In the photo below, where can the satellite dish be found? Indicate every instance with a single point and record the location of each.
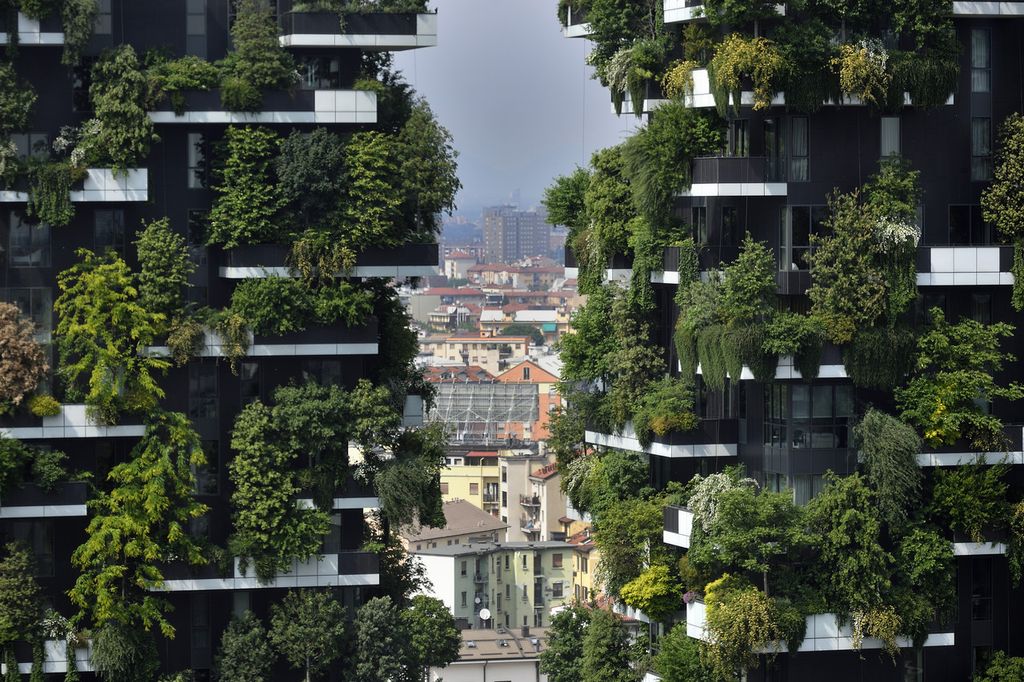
(485, 614)
(477, 600)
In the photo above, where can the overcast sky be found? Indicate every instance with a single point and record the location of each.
(515, 94)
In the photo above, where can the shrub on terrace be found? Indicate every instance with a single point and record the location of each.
(955, 365)
(170, 77)
(890, 448)
(1002, 202)
(165, 267)
(737, 58)
(257, 62)
(666, 406)
(78, 18)
(23, 360)
(971, 499)
(249, 201)
(16, 101)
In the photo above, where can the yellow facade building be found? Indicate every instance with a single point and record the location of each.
(474, 477)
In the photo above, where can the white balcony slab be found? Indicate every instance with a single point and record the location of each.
(213, 347)
(329, 106)
(31, 35)
(736, 189)
(680, 537)
(787, 371)
(677, 12)
(382, 271)
(993, 10)
(55, 659)
(978, 548)
(964, 266)
(343, 503)
(318, 571)
(49, 511)
(73, 422)
(426, 36)
(101, 185)
(823, 633)
(627, 440)
(952, 459)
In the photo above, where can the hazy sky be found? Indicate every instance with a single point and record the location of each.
(515, 94)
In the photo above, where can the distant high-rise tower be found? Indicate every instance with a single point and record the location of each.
(510, 234)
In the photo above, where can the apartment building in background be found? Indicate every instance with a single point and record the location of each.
(510, 234)
(473, 477)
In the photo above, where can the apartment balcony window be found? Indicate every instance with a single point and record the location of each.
(202, 390)
(556, 590)
(699, 223)
(249, 382)
(474, 488)
(967, 227)
(208, 475)
(981, 149)
(196, 161)
(796, 225)
(808, 416)
(35, 303)
(108, 230)
(981, 60)
(31, 145)
(890, 126)
(444, 487)
(38, 537)
(29, 244)
(798, 164)
(104, 25)
(738, 138)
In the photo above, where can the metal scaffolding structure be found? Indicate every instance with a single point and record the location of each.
(473, 410)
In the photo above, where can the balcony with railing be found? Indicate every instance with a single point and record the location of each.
(273, 260)
(1012, 451)
(380, 31)
(47, 31)
(32, 502)
(72, 421)
(277, 106)
(712, 438)
(964, 266)
(529, 501)
(737, 176)
(576, 25)
(336, 569)
(529, 525)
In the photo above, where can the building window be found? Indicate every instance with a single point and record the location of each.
(462, 601)
(249, 382)
(796, 225)
(504, 474)
(981, 588)
(31, 145)
(196, 161)
(967, 227)
(108, 230)
(474, 488)
(38, 537)
(798, 149)
(504, 498)
(208, 475)
(556, 560)
(195, 28)
(29, 243)
(806, 487)
(81, 80)
(35, 303)
(737, 141)
(584, 564)
(104, 25)
(318, 73)
(730, 226)
(556, 590)
(323, 372)
(981, 60)
(506, 564)
(524, 567)
(699, 223)
(981, 308)
(200, 622)
(890, 136)
(444, 487)
(462, 569)
(981, 149)
(202, 390)
(526, 373)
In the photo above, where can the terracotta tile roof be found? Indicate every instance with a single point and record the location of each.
(545, 472)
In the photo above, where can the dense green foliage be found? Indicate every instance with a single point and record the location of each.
(957, 364)
(78, 18)
(245, 654)
(561, 659)
(1003, 668)
(16, 101)
(141, 523)
(249, 200)
(890, 450)
(279, 305)
(679, 659)
(171, 77)
(1002, 202)
(23, 363)
(123, 653)
(308, 628)
(970, 499)
(165, 267)
(20, 605)
(102, 333)
(49, 199)
(257, 62)
(606, 654)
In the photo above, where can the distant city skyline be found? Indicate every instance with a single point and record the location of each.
(509, 116)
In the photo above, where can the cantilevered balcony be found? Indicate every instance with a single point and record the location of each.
(300, 106)
(373, 31)
(823, 633)
(988, 10)
(331, 340)
(736, 176)
(55, 658)
(678, 527)
(71, 422)
(32, 502)
(577, 26)
(679, 11)
(962, 453)
(353, 495)
(341, 569)
(964, 266)
(713, 438)
(100, 185)
(272, 260)
(33, 33)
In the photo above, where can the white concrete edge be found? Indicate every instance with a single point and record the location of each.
(577, 31)
(48, 511)
(978, 548)
(252, 583)
(55, 659)
(632, 444)
(381, 271)
(675, 539)
(68, 432)
(343, 503)
(991, 10)
(281, 350)
(952, 459)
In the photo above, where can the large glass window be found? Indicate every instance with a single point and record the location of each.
(37, 536)
(195, 28)
(967, 227)
(798, 171)
(104, 25)
(738, 138)
(29, 244)
(981, 60)
(797, 224)
(108, 230)
(31, 144)
(890, 136)
(196, 161)
(202, 390)
(208, 476)
(981, 149)
(730, 226)
(249, 381)
(805, 416)
(699, 221)
(35, 303)
(323, 372)
(318, 73)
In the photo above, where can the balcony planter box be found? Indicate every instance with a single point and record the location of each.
(1012, 432)
(180, 570)
(358, 563)
(273, 100)
(330, 23)
(277, 256)
(31, 495)
(338, 333)
(20, 418)
(713, 438)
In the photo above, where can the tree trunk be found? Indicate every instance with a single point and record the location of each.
(765, 574)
